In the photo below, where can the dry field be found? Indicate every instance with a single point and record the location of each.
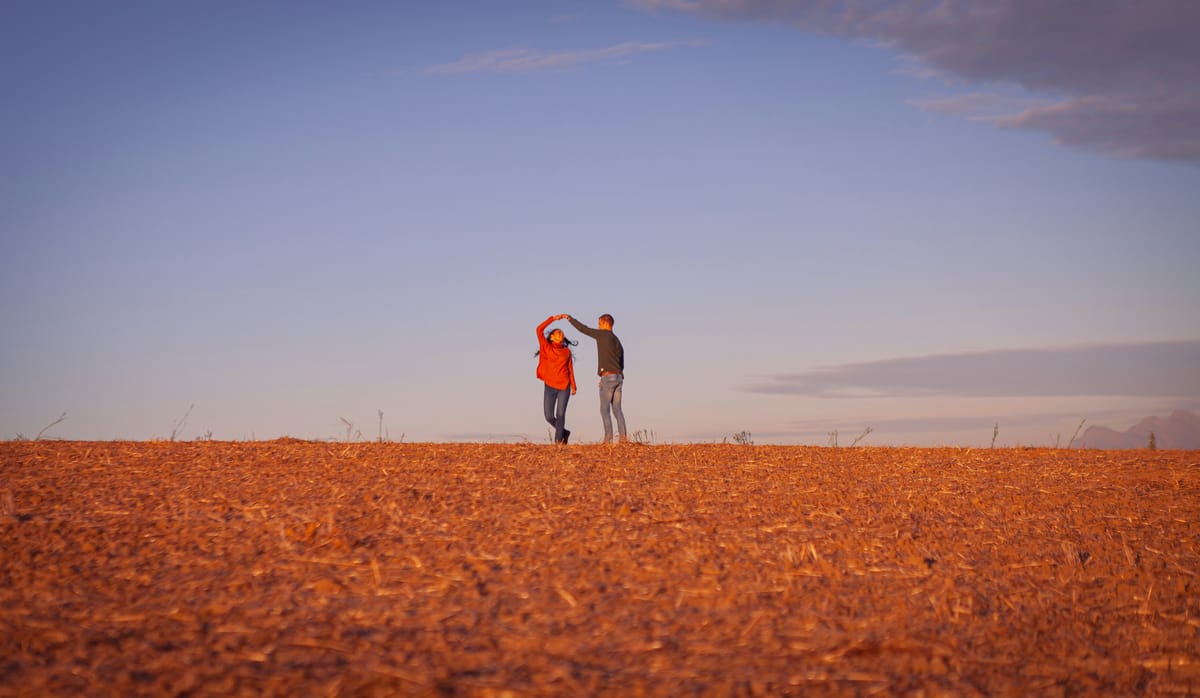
(300, 568)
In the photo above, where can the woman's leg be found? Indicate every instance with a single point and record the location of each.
(560, 416)
(549, 396)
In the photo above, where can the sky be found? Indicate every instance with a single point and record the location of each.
(890, 222)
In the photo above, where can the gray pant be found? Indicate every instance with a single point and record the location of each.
(610, 399)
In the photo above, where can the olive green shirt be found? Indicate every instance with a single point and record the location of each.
(610, 355)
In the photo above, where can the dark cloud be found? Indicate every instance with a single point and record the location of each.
(1157, 128)
(1126, 71)
(1166, 369)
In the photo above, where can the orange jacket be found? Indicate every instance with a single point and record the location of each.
(555, 367)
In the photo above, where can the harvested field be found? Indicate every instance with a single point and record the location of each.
(303, 568)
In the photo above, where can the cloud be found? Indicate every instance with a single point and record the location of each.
(983, 106)
(1124, 72)
(521, 60)
(1158, 369)
(489, 437)
(1155, 128)
(935, 424)
(848, 428)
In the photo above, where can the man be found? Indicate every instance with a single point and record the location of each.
(610, 360)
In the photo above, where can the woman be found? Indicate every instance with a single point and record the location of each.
(557, 370)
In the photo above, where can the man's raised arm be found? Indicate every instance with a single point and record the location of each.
(582, 327)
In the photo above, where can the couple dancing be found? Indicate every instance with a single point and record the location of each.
(557, 370)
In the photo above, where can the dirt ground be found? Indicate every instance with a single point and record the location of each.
(362, 569)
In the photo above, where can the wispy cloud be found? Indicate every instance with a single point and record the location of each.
(1125, 72)
(523, 60)
(1035, 426)
(489, 437)
(938, 424)
(981, 106)
(1166, 369)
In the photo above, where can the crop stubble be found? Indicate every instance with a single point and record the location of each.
(292, 567)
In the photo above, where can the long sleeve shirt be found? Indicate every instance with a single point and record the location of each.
(610, 355)
(555, 367)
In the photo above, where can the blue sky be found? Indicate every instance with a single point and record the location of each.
(805, 218)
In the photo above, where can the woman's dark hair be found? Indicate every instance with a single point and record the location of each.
(567, 342)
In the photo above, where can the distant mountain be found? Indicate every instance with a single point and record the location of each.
(1179, 431)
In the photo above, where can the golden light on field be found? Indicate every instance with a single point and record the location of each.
(294, 568)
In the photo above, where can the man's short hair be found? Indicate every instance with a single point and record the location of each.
(606, 318)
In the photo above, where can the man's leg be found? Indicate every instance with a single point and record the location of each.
(616, 408)
(607, 383)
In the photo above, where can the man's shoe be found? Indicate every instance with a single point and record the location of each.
(566, 435)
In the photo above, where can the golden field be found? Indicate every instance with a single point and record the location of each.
(364, 569)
